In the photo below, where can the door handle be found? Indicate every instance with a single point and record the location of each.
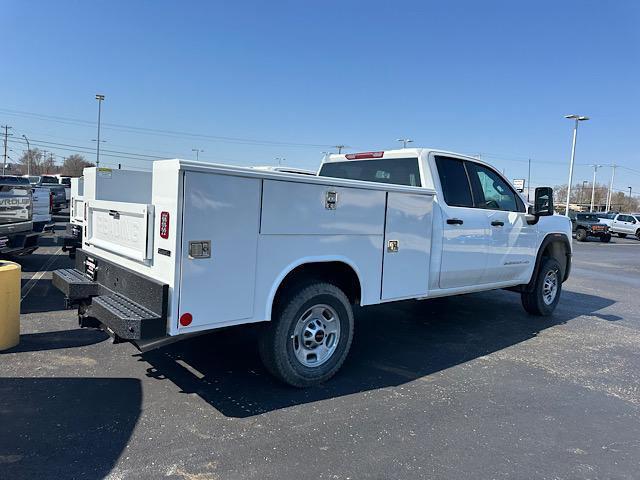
(497, 223)
(454, 221)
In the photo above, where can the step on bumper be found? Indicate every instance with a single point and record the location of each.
(129, 305)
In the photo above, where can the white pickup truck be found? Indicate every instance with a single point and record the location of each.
(217, 246)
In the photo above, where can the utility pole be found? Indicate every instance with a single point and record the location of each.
(593, 185)
(198, 151)
(584, 182)
(44, 161)
(100, 98)
(6, 141)
(339, 147)
(630, 204)
(28, 155)
(610, 192)
(529, 180)
(577, 119)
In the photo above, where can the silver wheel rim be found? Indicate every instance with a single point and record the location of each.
(316, 335)
(550, 287)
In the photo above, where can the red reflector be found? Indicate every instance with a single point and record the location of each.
(164, 226)
(186, 319)
(360, 156)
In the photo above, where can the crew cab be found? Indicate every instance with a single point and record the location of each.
(586, 225)
(626, 224)
(217, 246)
(16, 217)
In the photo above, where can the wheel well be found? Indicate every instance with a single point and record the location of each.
(337, 273)
(558, 251)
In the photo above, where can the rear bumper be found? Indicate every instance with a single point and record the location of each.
(129, 305)
(72, 238)
(18, 242)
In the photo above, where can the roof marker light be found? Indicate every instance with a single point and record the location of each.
(362, 155)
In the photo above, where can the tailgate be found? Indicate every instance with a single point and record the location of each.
(121, 228)
(77, 210)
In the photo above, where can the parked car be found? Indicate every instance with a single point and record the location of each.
(606, 218)
(216, 246)
(16, 218)
(626, 224)
(60, 200)
(585, 225)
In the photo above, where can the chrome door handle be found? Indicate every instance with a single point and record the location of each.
(454, 221)
(497, 223)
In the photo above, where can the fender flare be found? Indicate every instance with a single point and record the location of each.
(275, 286)
(549, 239)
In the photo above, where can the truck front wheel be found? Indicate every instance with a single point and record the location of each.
(309, 336)
(544, 296)
(581, 235)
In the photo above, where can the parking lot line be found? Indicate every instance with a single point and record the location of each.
(45, 268)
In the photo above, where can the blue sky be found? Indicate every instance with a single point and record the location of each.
(489, 77)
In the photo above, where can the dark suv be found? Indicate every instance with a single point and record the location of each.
(589, 225)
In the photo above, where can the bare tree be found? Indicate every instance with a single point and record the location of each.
(30, 162)
(74, 164)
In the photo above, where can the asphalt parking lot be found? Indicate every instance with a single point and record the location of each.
(459, 388)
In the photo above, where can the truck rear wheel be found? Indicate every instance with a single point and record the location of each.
(544, 297)
(309, 336)
(622, 235)
(581, 235)
(605, 238)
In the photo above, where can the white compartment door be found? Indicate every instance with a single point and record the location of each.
(407, 246)
(224, 211)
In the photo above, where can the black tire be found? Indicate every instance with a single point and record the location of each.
(581, 235)
(534, 302)
(622, 235)
(277, 343)
(638, 234)
(605, 238)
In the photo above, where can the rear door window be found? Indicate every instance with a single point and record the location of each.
(399, 171)
(454, 181)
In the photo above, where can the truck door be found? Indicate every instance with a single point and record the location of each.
(465, 230)
(407, 245)
(512, 246)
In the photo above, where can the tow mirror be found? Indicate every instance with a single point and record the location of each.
(543, 205)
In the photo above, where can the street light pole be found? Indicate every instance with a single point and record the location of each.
(100, 98)
(593, 185)
(405, 141)
(630, 205)
(577, 119)
(28, 155)
(610, 192)
(582, 190)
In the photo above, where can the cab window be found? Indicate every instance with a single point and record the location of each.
(399, 171)
(490, 191)
(454, 181)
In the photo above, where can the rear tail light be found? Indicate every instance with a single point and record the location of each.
(360, 156)
(186, 319)
(164, 225)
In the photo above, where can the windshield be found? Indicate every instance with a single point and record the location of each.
(588, 217)
(65, 181)
(10, 180)
(399, 171)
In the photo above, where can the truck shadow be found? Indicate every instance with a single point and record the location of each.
(50, 430)
(393, 344)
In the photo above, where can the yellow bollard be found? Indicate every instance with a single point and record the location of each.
(9, 304)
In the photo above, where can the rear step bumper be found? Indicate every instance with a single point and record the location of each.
(129, 305)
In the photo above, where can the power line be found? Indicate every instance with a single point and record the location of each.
(161, 132)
